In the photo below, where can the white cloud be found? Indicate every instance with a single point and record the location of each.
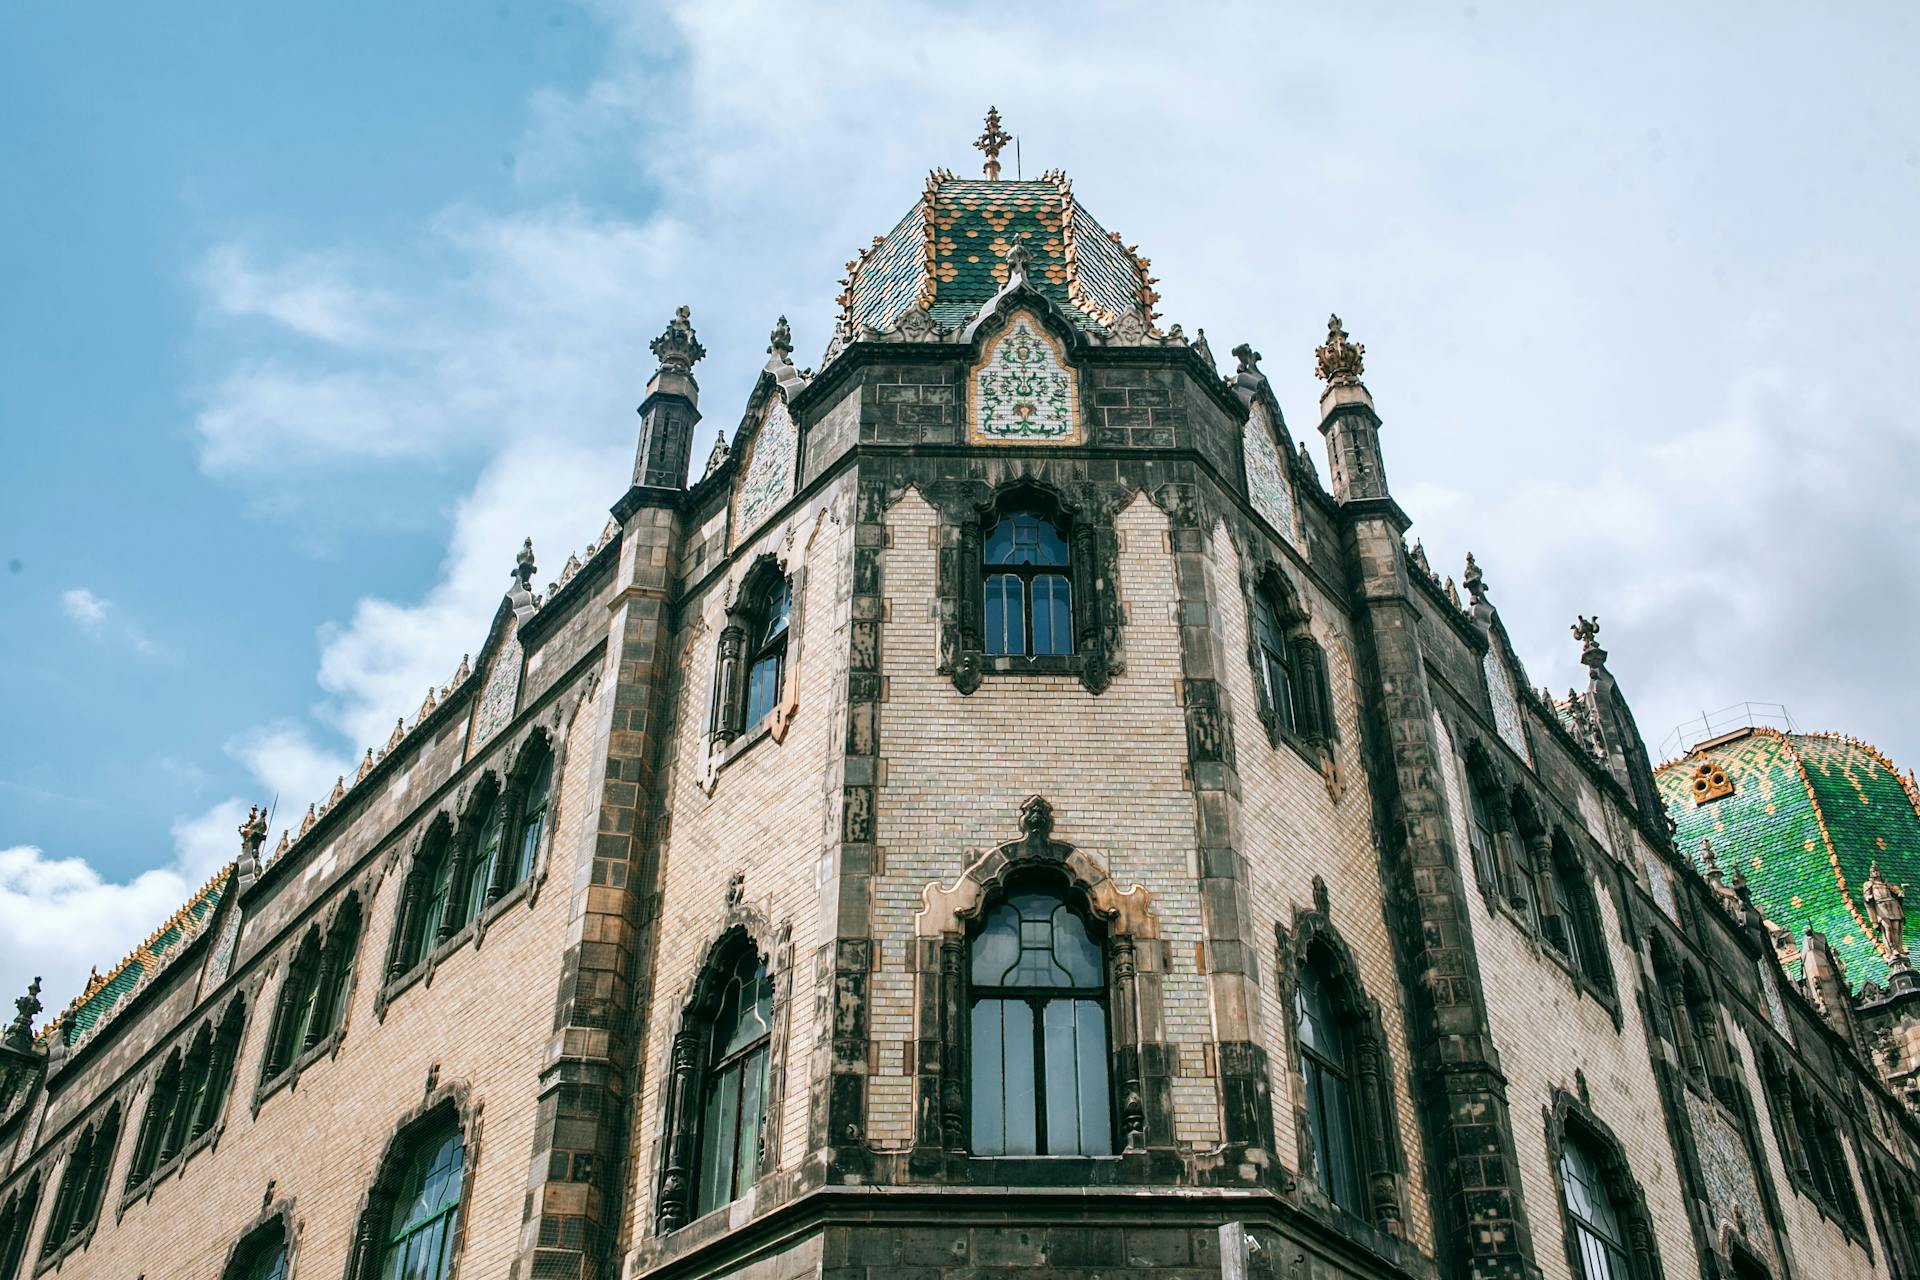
(85, 608)
(309, 296)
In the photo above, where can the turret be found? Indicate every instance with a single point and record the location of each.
(1348, 421)
(671, 409)
(1623, 751)
(1827, 983)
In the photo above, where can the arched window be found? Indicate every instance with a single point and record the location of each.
(1027, 584)
(1596, 1235)
(1326, 1063)
(334, 981)
(16, 1221)
(162, 1102)
(482, 856)
(261, 1256)
(423, 901)
(537, 783)
(423, 1208)
(294, 1015)
(1483, 833)
(77, 1201)
(767, 649)
(1277, 677)
(1038, 1030)
(735, 1089)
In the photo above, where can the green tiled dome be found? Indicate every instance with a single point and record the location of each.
(1808, 816)
(948, 255)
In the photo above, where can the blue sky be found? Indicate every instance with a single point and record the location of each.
(312, 314)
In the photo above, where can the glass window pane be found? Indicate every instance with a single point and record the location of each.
(753, 1078)
(1075, 953)
(1063, 1079)
(989, 1127)
(1096, 1106)
(1280, 693)
(1017, 1071)
(996, 947)
(718, 1127)
(763, 687)
(1006, 617)
(1341, 1162)
(1052, 614)
(1319, 1028)
(1024, 538)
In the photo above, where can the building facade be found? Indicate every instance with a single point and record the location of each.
(1007, 816)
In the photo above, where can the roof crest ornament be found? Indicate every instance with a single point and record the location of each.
(780, 342)
(990, 143)
(1340, 362)
(678, 349)
(20, 1033)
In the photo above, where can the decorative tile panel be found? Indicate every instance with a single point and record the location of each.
(1267, 482)
(1726, 1169)
(497, 701)
(1776, 1010)
(221, 962)
(767, 480)
(1022, 391)
(1506, 707)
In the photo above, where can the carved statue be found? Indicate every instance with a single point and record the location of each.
(1887, 904)
(780, 341)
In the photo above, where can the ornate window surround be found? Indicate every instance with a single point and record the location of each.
(729, 735)
(1312, 939)
(18, 1210)
(197, 1074)
(1566, 1113)
(333, 944)
(76, 1204)
(1142, 1061)
(967, 509)
(1314, 731)
(400, 972)
(275, 1224)
(444, 1102)
(1794, 1108)
(744, 924)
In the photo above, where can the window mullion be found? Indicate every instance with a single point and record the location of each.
(1036, 1010)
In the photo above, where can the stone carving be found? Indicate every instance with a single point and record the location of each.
(1584, 631)
(1340, 362)
(678, 349)
(20, 1034)
(1887, 904)
(991, 141)
(1022, 392)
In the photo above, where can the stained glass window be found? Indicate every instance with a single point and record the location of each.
(735, 1097)
(1029, 593)
(426, 1209)
(767, 651)
(1039, 1032)
(1276, 668)
(1592, 1215)
(1326, 1063)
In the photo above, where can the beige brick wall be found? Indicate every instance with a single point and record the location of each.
(483, 1021)
(773, 814)
(1293, 830)
(1545, 1031)
(1818, 1245)
(958, 767)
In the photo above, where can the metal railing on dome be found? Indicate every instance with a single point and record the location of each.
(1713, 724)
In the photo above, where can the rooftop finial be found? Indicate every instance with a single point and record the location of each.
(523, 566)
(1339, 362)
(991, 141)
(20, 1034)
(780, 341)
(1585, 630)
(678, 348)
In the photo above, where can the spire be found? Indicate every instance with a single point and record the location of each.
(990, 143)
(1349, 423)
(671, 407)
(20, 1034)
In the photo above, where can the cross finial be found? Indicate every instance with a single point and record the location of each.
(991, 141)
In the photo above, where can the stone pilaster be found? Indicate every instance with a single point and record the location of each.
(577, 1181)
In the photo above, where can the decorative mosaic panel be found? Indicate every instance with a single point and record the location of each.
(768, 479)
(1776, 1011)
(1022, 392)
(1726, 1168)
(222, 961)
(497, 701)
(1266, 476)
(1506, 707)
(1658, 886)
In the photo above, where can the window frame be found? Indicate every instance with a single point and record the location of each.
(77, 1203)
(1274, 612)
(1317, 1068)
(446, 1112)
(1038, 999)
(1028, 574)
(1571, 1121)
(754, 1056)
(18, 1212)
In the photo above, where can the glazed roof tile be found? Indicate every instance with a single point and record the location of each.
(1809, 816)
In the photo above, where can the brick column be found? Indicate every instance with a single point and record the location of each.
(576, 1184)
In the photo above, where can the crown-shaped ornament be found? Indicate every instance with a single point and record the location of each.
(1339, 362)
(678, 348)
